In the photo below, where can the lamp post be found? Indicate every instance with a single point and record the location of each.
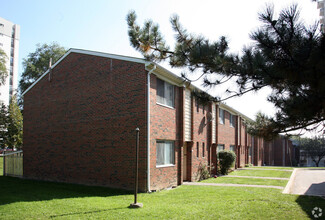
(136, 204)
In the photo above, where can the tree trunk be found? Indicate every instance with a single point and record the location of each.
(316, 162)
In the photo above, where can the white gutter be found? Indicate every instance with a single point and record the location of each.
(148, 127)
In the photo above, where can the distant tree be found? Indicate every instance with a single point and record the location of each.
(261, 126)
(37, 63)
(288, 56)
(3, 68)
(3, 124)
(14, 135)
(314, 147)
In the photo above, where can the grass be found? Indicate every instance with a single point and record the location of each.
(26, 199)
(282, 168)
(248, 181)
(262, 173)
(271, 167)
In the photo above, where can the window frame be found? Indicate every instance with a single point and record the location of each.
(221, 119)
(197, 149)
(165, 100)
(197, 105)
(232, 120)
(220, 145)
(203, 149)
(172, 150)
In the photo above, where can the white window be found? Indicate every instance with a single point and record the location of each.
(232, 148)
(165, 153)
(203, 150)
(221, 116)
(220, 147)
(165, 93)
(232, 120)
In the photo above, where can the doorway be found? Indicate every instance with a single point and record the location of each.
(185, 163)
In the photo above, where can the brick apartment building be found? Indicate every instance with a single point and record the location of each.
(80, 119)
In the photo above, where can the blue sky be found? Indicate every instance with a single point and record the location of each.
(100, 26)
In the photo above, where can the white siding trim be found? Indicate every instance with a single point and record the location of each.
(214, 122)
(187, 115)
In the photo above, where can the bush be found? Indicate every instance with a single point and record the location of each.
(226, 160)
(203, 172)
(248, 165)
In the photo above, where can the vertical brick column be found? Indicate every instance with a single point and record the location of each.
(181, 126)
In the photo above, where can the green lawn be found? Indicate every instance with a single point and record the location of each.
(262, 173)
(249, 181)
(271, 167)
(26, 199)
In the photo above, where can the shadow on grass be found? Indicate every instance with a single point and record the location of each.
(307, 204)
(85, 213)
(21, 190)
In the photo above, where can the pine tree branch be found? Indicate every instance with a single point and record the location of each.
(240, 94)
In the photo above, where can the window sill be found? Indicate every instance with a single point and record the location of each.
(167, 165)
(167, 106)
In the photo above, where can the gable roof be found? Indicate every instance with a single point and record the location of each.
(160, 71)
(87, 52)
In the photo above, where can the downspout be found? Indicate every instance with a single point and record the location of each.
(148, 127)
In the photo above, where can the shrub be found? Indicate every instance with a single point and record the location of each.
(203, 172)
(248, 165)
(226, 160)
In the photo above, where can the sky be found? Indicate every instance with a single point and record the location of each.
(100, 25)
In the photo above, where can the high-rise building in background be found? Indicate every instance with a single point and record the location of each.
(321, 7)
(9, 43)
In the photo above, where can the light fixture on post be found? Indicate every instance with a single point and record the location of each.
(136, 204)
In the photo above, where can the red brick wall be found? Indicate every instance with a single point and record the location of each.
(268, 153)
(278, 152)
(166, 124)
(242, 144)
(200, 135)
(258, 151)
(80, 127)
(289, 152)
(282, 157)
(249, 145)
(226, 134)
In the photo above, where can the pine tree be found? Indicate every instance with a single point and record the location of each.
(288, 56)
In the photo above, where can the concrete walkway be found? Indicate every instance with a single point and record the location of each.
(259, 177)
(307, 182)
(264, 169)
(230, 184)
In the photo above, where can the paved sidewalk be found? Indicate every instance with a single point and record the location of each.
(230, 184)
(308, 182)
(259, 177)
(263, 169)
